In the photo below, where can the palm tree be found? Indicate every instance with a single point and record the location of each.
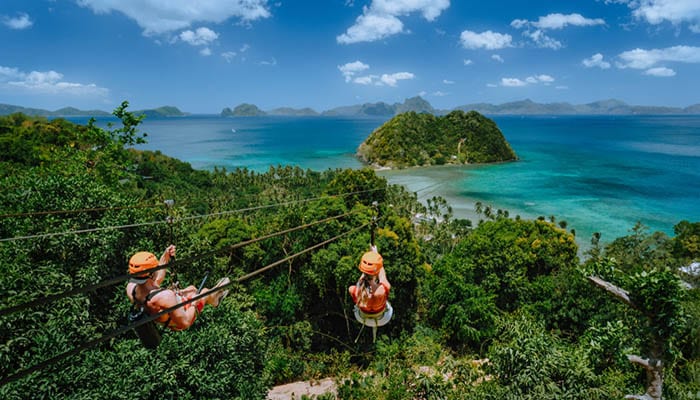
(479, 207)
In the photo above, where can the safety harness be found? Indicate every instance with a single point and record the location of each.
(148, 333)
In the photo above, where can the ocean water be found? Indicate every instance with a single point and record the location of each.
(598, 173)
(259, 142)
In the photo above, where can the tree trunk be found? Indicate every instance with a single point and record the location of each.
(653, 366)
(655, 377)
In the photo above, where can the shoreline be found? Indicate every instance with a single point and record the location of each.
(444, 181)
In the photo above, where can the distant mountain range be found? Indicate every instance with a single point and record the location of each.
(603, 107)
(417, 104)
(165, 111)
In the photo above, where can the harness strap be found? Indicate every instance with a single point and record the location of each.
(149, 296)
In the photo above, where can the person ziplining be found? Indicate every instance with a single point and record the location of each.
(371, 292)
(146, 294)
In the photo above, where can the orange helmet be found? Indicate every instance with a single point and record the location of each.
(371, 263)
(139, 262)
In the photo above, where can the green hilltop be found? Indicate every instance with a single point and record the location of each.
(7, 109)
(165, 111)
(412, 139)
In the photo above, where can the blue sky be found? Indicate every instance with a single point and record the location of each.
(204, 55)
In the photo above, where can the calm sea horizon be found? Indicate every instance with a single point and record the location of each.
(598, 173)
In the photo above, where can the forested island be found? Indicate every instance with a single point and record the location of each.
(411, 139)
(499, 308)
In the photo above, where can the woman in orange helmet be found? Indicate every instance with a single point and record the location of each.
(144, 289)
(371, 292)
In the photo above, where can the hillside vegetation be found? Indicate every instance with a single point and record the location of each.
(413, 139)
(502, 309)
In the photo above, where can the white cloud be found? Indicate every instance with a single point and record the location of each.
(543, 40)
(49, 82)
(365, 80)
(380, 19)
(596, 60)
(530, 80)
(512, 82)
(448, 82)
(273, 61)
(350, 69)
(674, 11)
(7, 73)
(644, 59)
(201, 37)
(392, 79)
(660, 71)
(561, 87)
(245, 48)
(519, 23)
(440, 94)
(487, 40)
(430, 9)
(498, 58)
(205, 52)
(535, 30)
(491, 85)
(560, 21)
(228, 56)
(22, 21)
(159, 16)
(369, 28)
(468, 61)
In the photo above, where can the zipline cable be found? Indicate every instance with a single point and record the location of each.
(51, 298)
(105, 228)
(117, 227)
(432, 186)
(279, 204)
(53, 212)
(121, 330)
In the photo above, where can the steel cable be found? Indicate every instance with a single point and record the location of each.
(117, 227)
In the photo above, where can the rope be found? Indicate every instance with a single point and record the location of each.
(45, 235)
(121, 330)
(51, 298)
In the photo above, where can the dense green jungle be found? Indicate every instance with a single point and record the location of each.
(503, 308)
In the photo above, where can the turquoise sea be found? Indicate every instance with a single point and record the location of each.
(599, 173)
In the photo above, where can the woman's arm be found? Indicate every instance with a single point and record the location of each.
(159, 275)
(383, 280)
